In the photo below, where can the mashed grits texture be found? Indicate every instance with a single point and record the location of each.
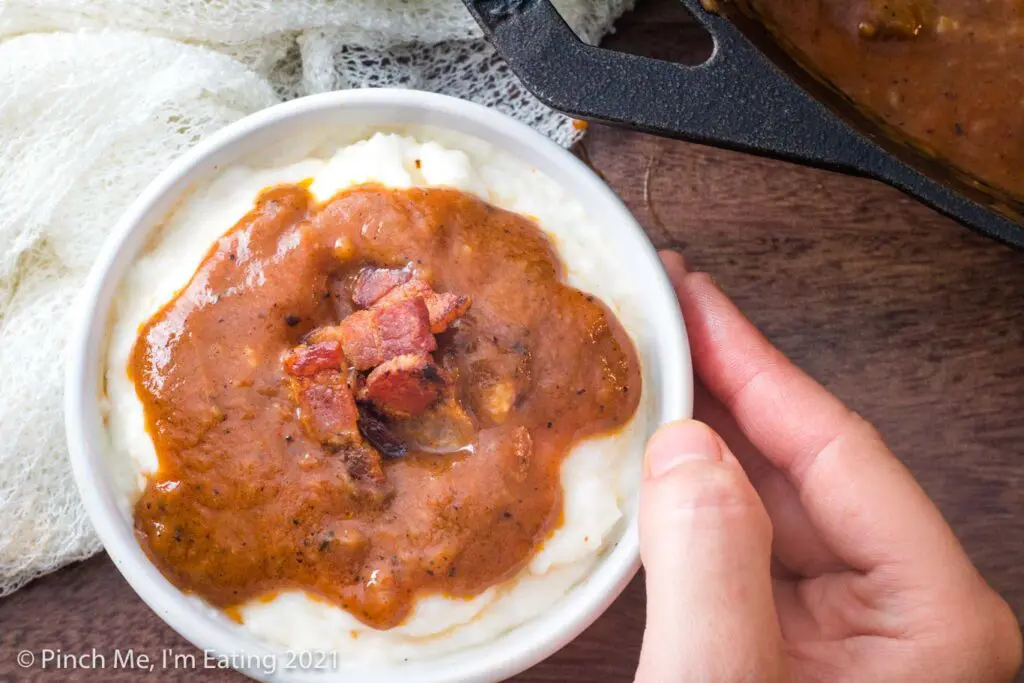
(599, 477)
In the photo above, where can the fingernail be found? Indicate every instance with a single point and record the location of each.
(678, 443)
(673, 261)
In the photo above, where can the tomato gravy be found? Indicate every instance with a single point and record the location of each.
(246, 503)
(946, 73)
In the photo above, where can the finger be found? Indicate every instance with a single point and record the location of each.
(864, 503)
(705, 540)
(797, 545)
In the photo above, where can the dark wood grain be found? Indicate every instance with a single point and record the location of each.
(914, 321)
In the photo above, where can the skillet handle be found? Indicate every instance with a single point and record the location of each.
(737, 99)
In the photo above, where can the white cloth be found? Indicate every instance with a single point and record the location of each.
(97, 96)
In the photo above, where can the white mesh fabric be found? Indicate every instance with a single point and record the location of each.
(370, 23)
(78, 145)
(471, 70)
(265, 35)
(97, 96)
(359, 23)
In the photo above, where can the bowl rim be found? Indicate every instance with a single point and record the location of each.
(548, 631)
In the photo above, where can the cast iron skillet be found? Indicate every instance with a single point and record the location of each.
(749, 96)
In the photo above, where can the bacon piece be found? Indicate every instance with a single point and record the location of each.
(327, 333)
(327, 408)
(378, 334)
(328, 413)
(363, 463)
(404, 328)
(404, 386)
(360, 339)
(444, 308)
(309, 359)
(409, 290)
(373, 283)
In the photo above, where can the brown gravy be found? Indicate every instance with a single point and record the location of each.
(948, 74)
(246, 504)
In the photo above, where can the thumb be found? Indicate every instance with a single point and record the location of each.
(705, 539)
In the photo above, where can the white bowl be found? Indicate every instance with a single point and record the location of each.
(668, 362)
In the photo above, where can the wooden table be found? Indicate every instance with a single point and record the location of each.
(914, 321)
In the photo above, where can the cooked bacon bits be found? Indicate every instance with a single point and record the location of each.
(363, 464)
(443, 308)
(404, 386)
(408, 290)
(360, 340)
(378, 334)
(392, 338)
(373, 283)
(404, 328)
(327, 408)
(309, 359)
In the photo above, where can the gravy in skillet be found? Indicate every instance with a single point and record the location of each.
(949, 74)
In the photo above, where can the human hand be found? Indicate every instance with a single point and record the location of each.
(796, 546)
